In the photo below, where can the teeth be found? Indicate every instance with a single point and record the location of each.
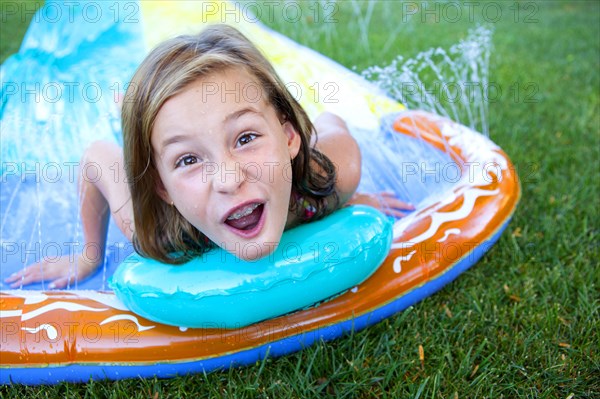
(243, 212)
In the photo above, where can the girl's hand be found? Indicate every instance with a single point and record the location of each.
(384, 201)
(60, 271)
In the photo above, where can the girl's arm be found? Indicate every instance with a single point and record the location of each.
(102, 187)
(335, 141)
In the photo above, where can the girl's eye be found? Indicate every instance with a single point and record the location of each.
(245, 139)
(186, 160)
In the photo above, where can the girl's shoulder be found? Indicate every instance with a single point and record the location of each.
(343, 151)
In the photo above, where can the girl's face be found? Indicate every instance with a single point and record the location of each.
(224, 160)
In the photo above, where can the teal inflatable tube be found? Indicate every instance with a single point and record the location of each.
(313, 261)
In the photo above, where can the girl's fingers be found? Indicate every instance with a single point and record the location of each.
(385, 201)
(23, 272)
(37, 272)
(15, 282)
(18, 277)
(389, 199)
(396, 203)
(22, 279)
(12, 278)
(59, 283)
(394, 213)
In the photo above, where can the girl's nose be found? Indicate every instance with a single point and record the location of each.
(229, 177)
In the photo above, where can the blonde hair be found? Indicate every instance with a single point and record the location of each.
(160, 231)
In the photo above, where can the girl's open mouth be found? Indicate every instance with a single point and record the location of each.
(247, 221)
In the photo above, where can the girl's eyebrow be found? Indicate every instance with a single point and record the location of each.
(237, 114)
(172, 140)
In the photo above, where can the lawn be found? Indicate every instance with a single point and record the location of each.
(523, 322)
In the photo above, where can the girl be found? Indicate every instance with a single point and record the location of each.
(217, 153)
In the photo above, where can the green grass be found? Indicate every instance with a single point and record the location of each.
(14, 20)
(523, 322)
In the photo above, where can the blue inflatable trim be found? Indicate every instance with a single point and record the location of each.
(309, 265)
